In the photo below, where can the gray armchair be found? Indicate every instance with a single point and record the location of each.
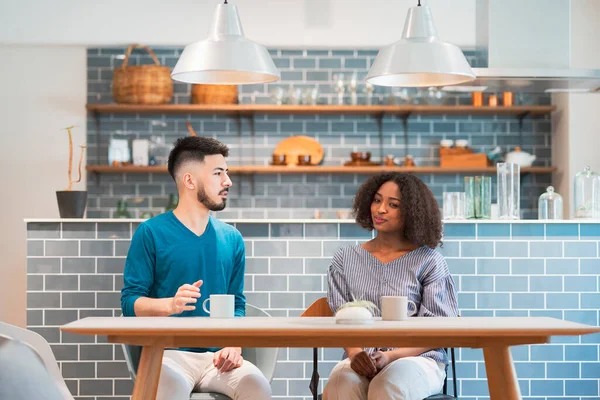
(264, 358)
(29, 366)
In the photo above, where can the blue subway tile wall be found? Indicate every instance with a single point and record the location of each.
(338, 134)
(286, 271)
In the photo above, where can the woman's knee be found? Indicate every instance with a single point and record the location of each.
(344, 383)
(410, 378)
(382, 387)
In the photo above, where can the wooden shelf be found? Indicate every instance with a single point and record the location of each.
(249, 109)
(261, 169)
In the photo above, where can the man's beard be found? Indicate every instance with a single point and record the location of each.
(208, 203)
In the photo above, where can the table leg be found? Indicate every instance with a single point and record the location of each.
(148, 373)
(314, 381)
(502, 380)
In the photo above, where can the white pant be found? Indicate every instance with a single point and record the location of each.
(410, 378)
(183, 372)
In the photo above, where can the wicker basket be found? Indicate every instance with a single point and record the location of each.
(214, 94)
(142, 84)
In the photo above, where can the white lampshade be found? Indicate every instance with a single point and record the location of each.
(226, 57)
(420, 58)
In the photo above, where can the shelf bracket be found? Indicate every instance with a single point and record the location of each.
(253, 141)
(379, 119)
(238, 125)
(521, 118)
(97, 123)
(405, 130)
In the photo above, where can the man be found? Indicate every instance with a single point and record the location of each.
(181, 257)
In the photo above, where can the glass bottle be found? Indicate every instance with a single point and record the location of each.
(550, 205)
(122, 211)
(173, 201)
(509, 186)
(587, 195)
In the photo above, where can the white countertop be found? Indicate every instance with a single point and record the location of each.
(314, 221)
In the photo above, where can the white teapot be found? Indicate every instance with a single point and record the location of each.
(519, 157)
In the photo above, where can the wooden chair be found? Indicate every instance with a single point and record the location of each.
(320, 308)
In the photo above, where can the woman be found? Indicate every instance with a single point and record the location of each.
(400, 261)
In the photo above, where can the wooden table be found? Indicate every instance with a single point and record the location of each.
(493, 335)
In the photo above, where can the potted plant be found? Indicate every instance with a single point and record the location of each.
(72, 203)
(355, 312)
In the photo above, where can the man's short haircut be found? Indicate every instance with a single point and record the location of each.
(193, 148)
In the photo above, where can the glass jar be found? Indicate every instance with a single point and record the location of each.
(454, 205)
(550, 205)
(478, 197)
(509, 185)
(586, 198)
(122, 211)
(158, 151)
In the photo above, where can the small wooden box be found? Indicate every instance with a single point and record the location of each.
(461, 157)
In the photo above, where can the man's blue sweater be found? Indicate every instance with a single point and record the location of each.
(164, 254)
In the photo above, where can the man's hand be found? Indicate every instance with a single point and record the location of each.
(381, 360)
(186, 294)
(363, 365)
(228, 358)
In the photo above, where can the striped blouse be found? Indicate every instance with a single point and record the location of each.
(422, 275)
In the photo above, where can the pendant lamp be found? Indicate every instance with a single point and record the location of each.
(226, 57)
(420, 58)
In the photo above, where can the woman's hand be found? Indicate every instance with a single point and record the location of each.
(362, 364)
(380, 359)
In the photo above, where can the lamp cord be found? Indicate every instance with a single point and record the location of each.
(418, 5)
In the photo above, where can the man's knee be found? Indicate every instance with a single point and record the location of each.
(172, 384)
(253, 386)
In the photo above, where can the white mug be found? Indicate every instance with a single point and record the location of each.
(221, 305)
(395, 308)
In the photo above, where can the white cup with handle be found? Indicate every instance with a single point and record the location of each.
(395, 308)
(221, 305)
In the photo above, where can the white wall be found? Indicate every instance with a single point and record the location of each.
(576, 136)
(43, 91)
(274, 23)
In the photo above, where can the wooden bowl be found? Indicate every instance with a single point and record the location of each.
(300, 145)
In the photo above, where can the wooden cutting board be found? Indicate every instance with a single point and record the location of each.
(294, 146)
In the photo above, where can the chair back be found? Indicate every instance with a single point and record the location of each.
(264, 358)
(132, 355)
(41, 347)
(319, 308)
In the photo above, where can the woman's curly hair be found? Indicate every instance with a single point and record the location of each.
(419, 210)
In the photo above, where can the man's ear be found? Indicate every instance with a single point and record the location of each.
(188, 181)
